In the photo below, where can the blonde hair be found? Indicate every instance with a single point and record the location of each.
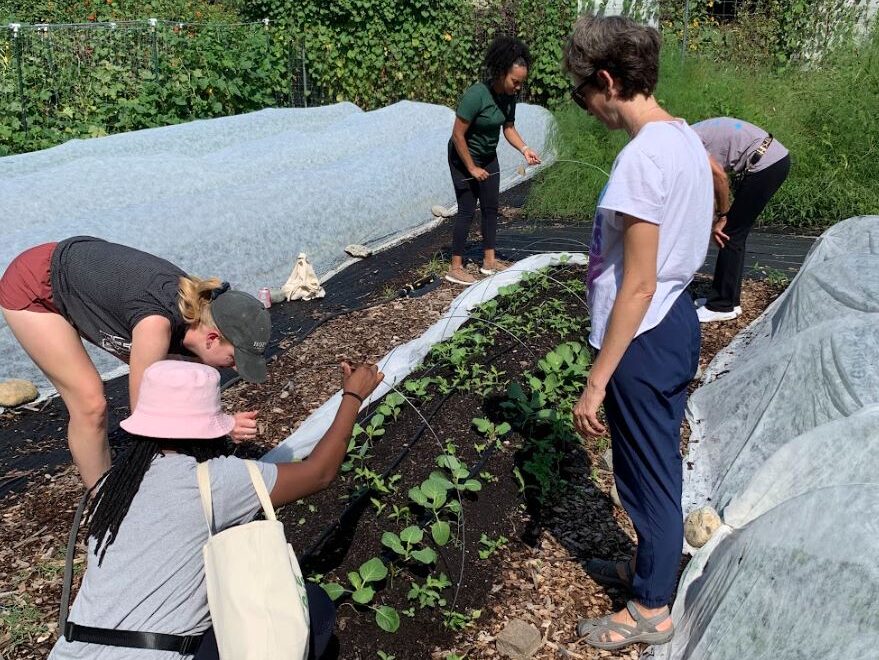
(194, 300)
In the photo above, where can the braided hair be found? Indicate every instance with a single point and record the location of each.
(503, 54)
(115, 491)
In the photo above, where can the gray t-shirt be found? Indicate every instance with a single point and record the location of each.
(105, 289)
(731, 141)
(152, 577)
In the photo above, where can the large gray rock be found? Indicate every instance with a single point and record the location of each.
(17, 392)
(519, 640)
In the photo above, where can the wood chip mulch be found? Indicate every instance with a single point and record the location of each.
(543, 583)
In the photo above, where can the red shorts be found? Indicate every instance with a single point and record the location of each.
(26, 284)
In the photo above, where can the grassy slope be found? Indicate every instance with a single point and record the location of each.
(827, 118)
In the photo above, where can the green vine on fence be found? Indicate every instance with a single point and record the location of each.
(59, 83)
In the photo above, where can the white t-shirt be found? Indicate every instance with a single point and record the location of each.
(152, 577)
(662, 176)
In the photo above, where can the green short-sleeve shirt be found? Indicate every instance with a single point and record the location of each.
(486, 112)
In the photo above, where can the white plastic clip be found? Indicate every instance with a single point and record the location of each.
(152, 22)
(15, 27)
(265, 22)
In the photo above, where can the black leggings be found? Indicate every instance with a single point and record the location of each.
(752, 195)
(322, 613)
(467, 191)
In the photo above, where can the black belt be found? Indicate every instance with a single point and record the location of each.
(132, 639)
(758, 154)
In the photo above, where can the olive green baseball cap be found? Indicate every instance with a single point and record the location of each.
(247, 325)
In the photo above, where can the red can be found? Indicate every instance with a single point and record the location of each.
(265, 297)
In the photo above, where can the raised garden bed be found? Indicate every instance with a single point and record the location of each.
(443, 472)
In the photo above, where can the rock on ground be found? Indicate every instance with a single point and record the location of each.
(519, 640)
(700, 525)
(16, 392)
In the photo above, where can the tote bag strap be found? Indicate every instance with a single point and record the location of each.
(68, 562)
(260, 487)
(203, 474)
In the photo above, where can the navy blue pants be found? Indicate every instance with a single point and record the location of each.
(644, 406)
(321, 612)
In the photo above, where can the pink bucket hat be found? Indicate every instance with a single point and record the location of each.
(179, 400)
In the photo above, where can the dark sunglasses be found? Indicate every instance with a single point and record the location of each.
(575, 93)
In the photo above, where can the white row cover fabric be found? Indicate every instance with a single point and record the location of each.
(239, 197)
(785, 443)
(403, 359)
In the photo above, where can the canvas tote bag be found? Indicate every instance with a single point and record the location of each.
(256, 593)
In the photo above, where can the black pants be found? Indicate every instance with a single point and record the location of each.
(467, 192)
(322, 613)
(751, 198)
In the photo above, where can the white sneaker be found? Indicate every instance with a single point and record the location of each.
(700, 302)
(707, 316)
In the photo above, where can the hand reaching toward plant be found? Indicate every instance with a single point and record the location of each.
(531, 156)
(245, 426)
(362, 379)
(586, 412)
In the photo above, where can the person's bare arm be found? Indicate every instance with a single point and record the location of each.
(640, 247)
(297, 480)
(512, 136)
(150, 340)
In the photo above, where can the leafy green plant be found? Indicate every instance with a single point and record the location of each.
(362, 592)
(406, 545)
(417, 387)
(492, 432)
(454, 620)
(400, 513)
(489, 546)
(391, 405)
(429, 593)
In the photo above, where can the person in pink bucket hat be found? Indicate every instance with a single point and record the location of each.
(143, 595)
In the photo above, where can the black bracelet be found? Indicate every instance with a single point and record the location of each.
(354, 394)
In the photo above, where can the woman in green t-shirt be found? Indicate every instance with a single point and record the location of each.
(483, 109)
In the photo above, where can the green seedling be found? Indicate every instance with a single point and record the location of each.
(428, 594)
(491, 431)
(489, 546)
(454, 620)
(406, 545)
(378, 505)
(400, 513)
(362, 592)
(391, 405)
(418, 387)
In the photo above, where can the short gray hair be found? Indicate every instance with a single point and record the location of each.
(627, 50)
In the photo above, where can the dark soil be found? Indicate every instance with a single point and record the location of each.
(334, 533)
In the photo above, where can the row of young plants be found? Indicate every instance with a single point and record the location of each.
(422, 521)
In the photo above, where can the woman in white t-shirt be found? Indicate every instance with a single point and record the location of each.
(651, 233)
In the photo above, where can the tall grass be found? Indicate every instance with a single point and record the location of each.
(827, 116)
